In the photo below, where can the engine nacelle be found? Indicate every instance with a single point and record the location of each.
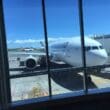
(31, 62)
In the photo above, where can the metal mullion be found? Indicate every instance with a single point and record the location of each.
(43, 72)
(85, 79)
(4, 68)
(46, 47)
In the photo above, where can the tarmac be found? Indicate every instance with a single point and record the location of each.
(37, 86)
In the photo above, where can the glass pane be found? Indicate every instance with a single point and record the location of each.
(64, 45)
(29, 87)
(97, 24)
(26, 54)
(24, 30)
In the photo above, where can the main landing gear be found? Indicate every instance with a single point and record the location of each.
(89, 79)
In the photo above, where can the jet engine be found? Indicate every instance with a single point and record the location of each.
(31, 62)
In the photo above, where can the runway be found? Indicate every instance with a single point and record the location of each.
(37, 86)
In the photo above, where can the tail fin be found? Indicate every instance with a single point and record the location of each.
(42, 43)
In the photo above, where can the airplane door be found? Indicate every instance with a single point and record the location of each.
(65, 47)
(68, 50)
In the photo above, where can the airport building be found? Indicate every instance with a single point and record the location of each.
(66, 73)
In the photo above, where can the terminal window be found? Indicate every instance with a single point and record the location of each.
(45, 49)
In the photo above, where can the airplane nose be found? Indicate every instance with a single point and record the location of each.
(101, 57)
(97, 57)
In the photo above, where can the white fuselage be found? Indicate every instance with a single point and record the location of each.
(69, 51)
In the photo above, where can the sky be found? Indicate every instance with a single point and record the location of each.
(24, 22)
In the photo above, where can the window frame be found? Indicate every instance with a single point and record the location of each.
(5, 92)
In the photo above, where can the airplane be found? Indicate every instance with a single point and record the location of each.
(69, 51)
(27, 49)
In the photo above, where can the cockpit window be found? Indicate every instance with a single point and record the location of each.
(101, 47)
(87, 48)
(94, 48)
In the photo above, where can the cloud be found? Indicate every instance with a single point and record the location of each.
(9, 41)
(32, 42)
(26, 41)
(23, 43)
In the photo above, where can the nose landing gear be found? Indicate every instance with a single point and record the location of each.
(93, 72)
